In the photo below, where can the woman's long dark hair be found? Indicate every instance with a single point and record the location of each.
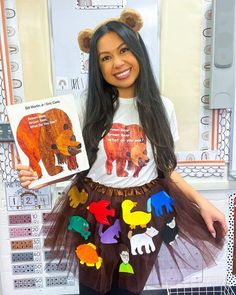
(100, 106)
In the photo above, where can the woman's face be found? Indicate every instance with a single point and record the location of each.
(118, 65)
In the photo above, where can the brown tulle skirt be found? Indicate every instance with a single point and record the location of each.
(120, 235)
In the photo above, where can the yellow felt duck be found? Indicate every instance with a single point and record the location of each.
(76, 197)
(134, 218)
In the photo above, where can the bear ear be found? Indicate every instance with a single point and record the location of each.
(84, 39)
(132, 18)
(65, 126)
(53, 146)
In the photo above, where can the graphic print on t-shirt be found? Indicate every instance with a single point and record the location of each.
(125, 147)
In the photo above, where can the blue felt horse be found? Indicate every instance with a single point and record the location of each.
(158, 201)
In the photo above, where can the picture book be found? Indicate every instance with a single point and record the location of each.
(48, 137)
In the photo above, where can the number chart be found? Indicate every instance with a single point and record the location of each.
(19, 199)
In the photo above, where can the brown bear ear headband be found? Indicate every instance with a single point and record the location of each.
(130, 17)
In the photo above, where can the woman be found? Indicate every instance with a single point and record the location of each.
(136, 206)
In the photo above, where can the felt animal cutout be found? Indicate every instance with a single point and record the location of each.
(100, 211)
(170, 230)
(87, 254)
(125, 266)
(134, 218)
(130, 17)
(110, 234)
(143, 240)
(125, 145)
(76, 197)
(80, 225)
(158, 201)
(48, 136)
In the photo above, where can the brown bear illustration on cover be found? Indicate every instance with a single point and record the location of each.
(44, 136)
(48, 133)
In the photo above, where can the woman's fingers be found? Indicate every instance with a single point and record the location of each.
(224, 226)
(21, 167)
(25, 184)
(26, 175)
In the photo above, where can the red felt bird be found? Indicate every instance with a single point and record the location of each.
(100, 211)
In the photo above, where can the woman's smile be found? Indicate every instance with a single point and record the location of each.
(123, 75)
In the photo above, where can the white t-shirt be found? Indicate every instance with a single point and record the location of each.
(125, 157)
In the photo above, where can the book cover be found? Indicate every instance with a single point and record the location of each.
(48, 137)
